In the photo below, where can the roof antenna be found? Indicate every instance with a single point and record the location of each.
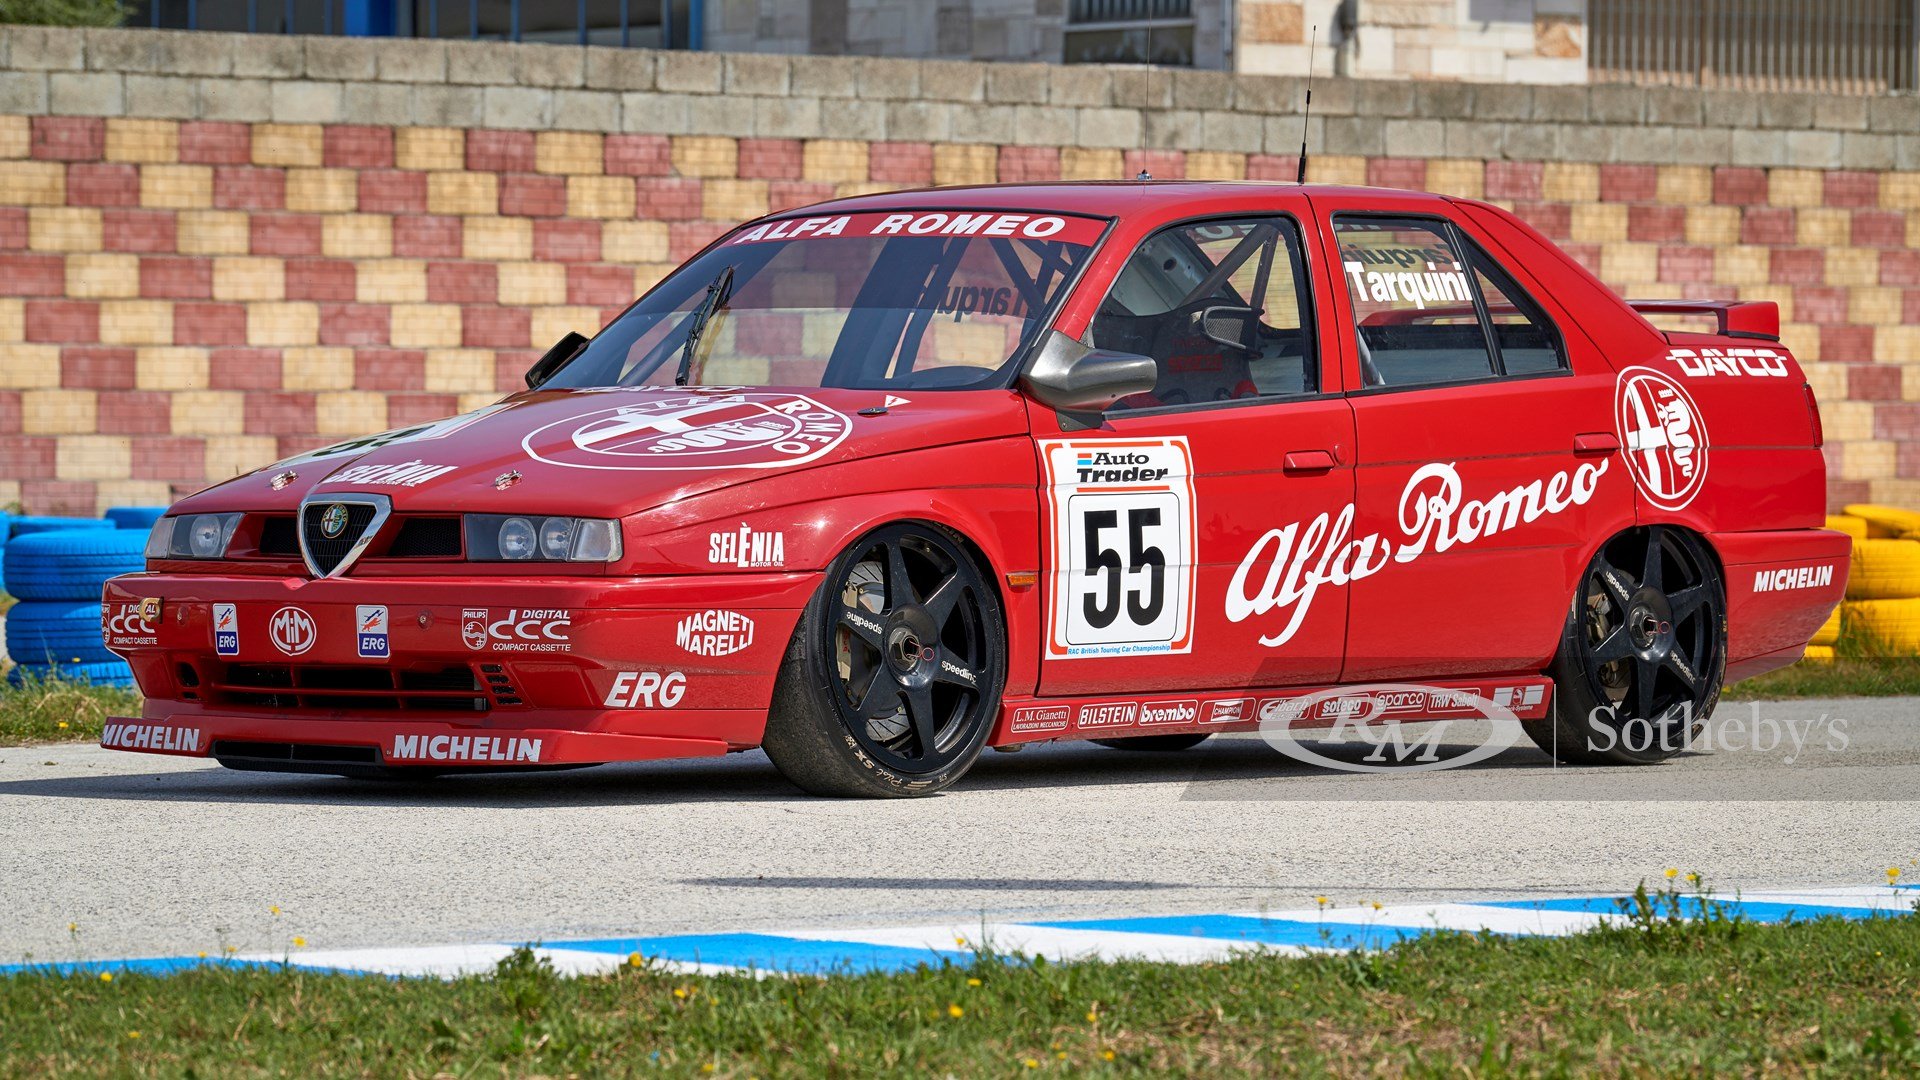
(1301, 177)
(1148, 91)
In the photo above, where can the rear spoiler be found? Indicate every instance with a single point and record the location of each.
(1737, 318)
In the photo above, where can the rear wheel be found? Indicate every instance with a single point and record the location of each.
(1643, 654)
(1163, 743)
(892, 680)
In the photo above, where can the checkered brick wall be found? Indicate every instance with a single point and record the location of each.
(219, 250)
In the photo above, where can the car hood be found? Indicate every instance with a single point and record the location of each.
(611, 452)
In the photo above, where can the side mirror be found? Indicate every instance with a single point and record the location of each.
(1073, 378)
(563, 350)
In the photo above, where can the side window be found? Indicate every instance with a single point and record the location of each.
(1428, 312)
(1221, 306)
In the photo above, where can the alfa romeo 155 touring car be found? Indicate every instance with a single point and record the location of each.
(877, 483)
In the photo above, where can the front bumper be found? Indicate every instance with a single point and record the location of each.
(449, 672)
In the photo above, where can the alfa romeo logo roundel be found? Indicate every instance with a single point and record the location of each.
(333, 521)
(675, 432)
(1664, 434)
(292, 631)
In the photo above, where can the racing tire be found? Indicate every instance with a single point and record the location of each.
(1158, 743)
(71, 565)
(1884, 570)
(1846, 523)
(1884, 522)
(56, 632)
(114, 674)
(1829, 632)
(892, 680)
(28, 524)
(1885, 627)
(1642, 655)
(134, 517)
(1818, 653)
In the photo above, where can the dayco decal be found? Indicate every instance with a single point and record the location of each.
(1793, 577)
(520, 630)
(746, 548)
(1664, 434)
(405, 474)
(151, 737)
(1764, 363)
(646, 690)
(1041, 718)
(1433, 517)
(1169, 712)
(123, 625)
(1109, 714)
(714, 633)
(676, 432)
(464, 749)
(292, 630)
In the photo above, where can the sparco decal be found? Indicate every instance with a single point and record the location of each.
(1169, 712)
(1792, 577)
(1121, 539)
(292, 630)
(1664, 435)
(465, 749)
(1363, 736)
(226, 630)
(180, 740)
(646, 690)
(123, 626)
(1041, 718)
(747, 548)
(1109, 714)
(1763, 363)
(714, 633)
(1286, 567)
(752, 429)
(405, 474)
(517, 630)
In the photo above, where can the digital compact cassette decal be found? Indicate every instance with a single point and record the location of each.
(1121, 526)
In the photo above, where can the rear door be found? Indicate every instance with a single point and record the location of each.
(1487, 461)
(1167, 564)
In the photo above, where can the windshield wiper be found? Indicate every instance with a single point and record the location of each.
(717, 292)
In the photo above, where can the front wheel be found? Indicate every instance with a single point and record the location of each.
(1643, 654)
(893, 677)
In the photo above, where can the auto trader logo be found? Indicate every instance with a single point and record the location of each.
(292, 630)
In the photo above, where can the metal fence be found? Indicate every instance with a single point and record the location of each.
(1825, 46)
(673, 24)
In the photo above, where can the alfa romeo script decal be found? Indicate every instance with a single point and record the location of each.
(1122, 519)
(742, 430)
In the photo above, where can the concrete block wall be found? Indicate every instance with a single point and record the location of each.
(216, 250)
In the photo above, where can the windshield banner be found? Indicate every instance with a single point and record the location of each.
(1066, 228)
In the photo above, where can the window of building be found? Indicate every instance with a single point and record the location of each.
(1130, 32)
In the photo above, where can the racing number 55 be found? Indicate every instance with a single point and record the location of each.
(1120, 524)
(1144, 605)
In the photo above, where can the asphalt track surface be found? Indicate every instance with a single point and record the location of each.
(162, 856)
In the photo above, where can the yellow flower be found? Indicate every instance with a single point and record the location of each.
(679, 991)
(1062, 1055)
(1377, 905)
(106, 976)
(273, 909)
(956, 1011)
(1093, 1016)
(1031, 1063)
(1321, 900)
(133, 1034)
(63, 725)
(203, 954)
(73, 928)
(1107, 1054)
(960, 941)
(708, 1067)
(299, 943)
(973, 982)
(633, 960)
(1893, 874)
(1693, 878)
(231, 949)
(1672, 872)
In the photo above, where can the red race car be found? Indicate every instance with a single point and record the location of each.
(877, 483)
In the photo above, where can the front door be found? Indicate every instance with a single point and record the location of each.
(1168, 524)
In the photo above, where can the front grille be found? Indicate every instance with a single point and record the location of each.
(327, 552)
(292, 687)
(278, 538)
(426, 538)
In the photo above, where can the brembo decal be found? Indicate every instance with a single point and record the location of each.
(1285, 568)
(1121, 540)
(686, 431)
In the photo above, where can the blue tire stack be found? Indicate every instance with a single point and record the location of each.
(56, 567)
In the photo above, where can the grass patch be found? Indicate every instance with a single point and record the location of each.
(1839, 677)
(1663, 994)
(60, 710)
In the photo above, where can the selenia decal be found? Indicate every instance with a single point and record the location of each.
(1664, 435)
(1122, 525)
(1286, 567)
(676, 432)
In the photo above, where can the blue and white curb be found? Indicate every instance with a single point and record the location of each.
(1172, 938)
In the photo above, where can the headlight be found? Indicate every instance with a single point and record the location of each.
(192, 536)
(504, 538)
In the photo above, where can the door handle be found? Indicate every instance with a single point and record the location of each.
(1309, 461)
(1595, 443)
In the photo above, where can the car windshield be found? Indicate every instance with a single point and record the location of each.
(920, 299)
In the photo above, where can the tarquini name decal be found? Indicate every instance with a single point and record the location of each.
(1299, 558)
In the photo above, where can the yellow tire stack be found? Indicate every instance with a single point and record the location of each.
(1882, 608)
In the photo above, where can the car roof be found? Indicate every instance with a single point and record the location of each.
(1103, 198)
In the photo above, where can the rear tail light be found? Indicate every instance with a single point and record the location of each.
(1813, 413)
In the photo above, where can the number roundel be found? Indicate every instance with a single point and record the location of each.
(1121, 529)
